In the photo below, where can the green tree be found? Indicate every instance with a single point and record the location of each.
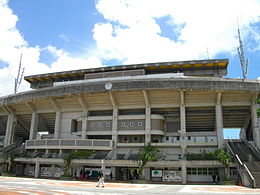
(258, 110)
(148, 153)
(71, 156)
(225, 158)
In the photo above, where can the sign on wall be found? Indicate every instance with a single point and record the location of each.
(156, 173)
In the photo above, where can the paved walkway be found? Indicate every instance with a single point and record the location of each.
(22, 186)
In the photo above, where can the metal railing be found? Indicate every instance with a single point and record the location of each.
(242, 168)
(69, 144)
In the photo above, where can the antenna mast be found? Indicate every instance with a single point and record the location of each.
(243, 62)
(19, 77)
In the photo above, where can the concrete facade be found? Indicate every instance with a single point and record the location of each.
(116, 117)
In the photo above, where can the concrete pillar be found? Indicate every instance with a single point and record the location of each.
(255, 122)
(147, 174)
(113, 171)
(147, 125)
(182, 131)
(37, 168)
(57, 129)
(184, 171)
(84, 124)
(114, 131)
(219, 121)
(103, 166)
(34, 126)
(9, 133)
(52, 170)
(26, 171)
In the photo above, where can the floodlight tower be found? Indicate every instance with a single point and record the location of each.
(243, 62)
(19, 77)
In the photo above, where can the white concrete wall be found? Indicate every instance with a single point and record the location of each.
(66, 119)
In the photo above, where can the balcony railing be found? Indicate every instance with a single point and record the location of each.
(92, 144)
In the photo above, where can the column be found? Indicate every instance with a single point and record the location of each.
(84, 124)
(113, 171)
(52, 170)
(85, 117)
(255, 122)
(34, 126)
(37, 168)
(182, 131)
(26, 171)
(147, 125)
(114, 131)
(57, 129)
(184, 171)
(147, 174)
(9, 133)
(219, 121)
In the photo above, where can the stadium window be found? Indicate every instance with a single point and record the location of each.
(189, 171)
(204, 171)
(79, 126)
(194, 171)
(73, 125)
(200, 171)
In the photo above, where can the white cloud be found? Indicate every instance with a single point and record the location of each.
(132, 33)
(13, 44)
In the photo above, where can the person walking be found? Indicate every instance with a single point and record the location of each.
(101, 179)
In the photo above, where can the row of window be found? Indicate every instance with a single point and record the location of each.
(123, 124)
(77, 125)
(202, 171)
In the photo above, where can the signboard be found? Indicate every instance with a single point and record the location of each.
(172, 176)
(156, 173)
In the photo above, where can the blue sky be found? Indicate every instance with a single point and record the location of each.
(70, 26)
(56, 35)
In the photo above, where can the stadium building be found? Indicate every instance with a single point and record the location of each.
(180, 107)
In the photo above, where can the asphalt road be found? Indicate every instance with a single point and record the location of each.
(22, 186)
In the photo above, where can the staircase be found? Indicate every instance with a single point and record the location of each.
(8, 148)
(249, 160)
(254, 168)
(244, 152)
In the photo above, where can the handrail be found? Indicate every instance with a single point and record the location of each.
(253, 147)
(242, 165)
(230, 149)
(240, 162)
(249, 173)
(88, 143)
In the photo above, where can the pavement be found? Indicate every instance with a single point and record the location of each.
(31, 186)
